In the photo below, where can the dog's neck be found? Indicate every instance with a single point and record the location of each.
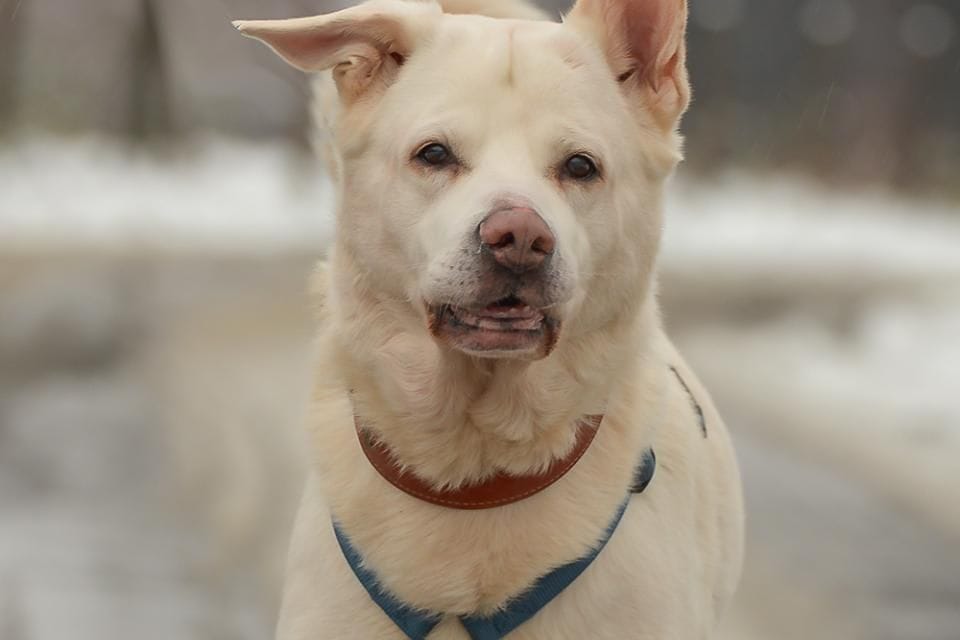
(454, 419)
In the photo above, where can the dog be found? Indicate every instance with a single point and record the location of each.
(505, 444)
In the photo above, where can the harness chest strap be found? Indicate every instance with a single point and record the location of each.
(417, 625)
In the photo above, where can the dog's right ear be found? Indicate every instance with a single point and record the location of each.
(645, 45)
(364, 45)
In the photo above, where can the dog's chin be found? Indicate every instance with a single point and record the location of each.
(507, 329)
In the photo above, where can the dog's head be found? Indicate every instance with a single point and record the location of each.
(501, 178)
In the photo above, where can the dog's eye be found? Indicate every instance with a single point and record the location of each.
(436, 155)
(580, 167)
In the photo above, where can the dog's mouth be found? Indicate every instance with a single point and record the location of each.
(507, 328)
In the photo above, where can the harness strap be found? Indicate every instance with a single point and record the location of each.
(643, 476)
(540, 594)
(417, 624)
(697, 409)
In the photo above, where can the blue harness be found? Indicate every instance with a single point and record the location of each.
(417, 625)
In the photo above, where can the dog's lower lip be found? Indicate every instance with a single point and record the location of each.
(503, 327)
(512, 316)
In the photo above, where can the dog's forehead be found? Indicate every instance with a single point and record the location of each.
(476, 45)
(482, 27)
(490, 84)
(472, 62)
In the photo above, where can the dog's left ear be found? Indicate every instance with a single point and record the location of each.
(364, 45)
(644, 42)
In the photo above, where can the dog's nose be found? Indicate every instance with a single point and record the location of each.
(517, 238)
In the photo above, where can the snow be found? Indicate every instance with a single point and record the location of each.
(788, 227)
(215, 194)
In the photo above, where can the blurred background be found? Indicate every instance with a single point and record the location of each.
(160, 212)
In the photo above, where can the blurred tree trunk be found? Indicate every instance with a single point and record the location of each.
(74, 64)
(9, 47)
(878, 74)
(149, 96)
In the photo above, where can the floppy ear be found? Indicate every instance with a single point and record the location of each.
(363, 44)
(645, 45)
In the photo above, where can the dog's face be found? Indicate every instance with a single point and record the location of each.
(501, 176)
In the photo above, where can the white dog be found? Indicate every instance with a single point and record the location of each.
(505, 444)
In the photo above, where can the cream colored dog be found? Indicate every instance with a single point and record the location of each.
(492, 283)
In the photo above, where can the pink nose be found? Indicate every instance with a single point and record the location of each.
(517, 238)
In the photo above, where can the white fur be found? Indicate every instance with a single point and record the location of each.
(512, 97)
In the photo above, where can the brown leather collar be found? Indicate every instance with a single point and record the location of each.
(500, 490)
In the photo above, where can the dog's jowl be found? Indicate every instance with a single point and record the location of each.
(505, 443)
